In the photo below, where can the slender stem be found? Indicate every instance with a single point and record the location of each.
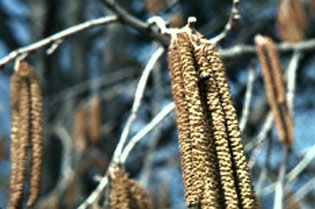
(56, 38)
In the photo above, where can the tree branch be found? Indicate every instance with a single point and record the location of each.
(247, 50)
(57, 37)
(128, 19)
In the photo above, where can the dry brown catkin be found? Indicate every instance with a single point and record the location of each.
(127, 193)
(199, 140)
(182, 119)
(243, 181)
(36, 139)
(24, 133)
(220, 134)
(275, 90)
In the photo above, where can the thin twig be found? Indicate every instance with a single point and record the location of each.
(278, 201)
(119, 148)
(247, 50)
(262, 134)
(309, 156)
(156, 120)
(234, 16)
(126, 18)
(248, 96)
(304, 190)
(57, 37)
(291, 78)
(104, 181)
(137, 101)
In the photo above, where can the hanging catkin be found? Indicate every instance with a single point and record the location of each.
(36, 138)
(275, 90)
(215, 172)
(127, 193)
(243, 178)
(94, 129)
(26, 134)
(219, 131)
(182, 123)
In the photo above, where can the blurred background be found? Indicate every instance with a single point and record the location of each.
(88, 85)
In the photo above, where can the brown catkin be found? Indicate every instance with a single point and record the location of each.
(119, 197)
(127, 193)
(24, 133)
(291, 21)
(139, 197)
(275, 90)
(36, 139)
(15, 127)
(219, 134)
(196, 120)
(182, 119)
(94, 129)
(244, 183)
(80, 129)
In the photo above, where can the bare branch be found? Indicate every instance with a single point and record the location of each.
(248, 96)
(234, 17)
(137, 101)
(246, 50)
(306, 188)
(291, 78)
(278, 200)
(57, 37)
(156, 120)
(309, 156)
(130, 20)
(119, 148)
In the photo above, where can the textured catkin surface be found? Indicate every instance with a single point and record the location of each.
(15, 89)
(243, 178)
(199, 139)
(220, 135)
(24, 132)
(119, 197)
(127, 193)
(214, 165)
(182, 119)
(36, 139)
(275, 90)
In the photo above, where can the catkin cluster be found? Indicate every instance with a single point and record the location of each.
(214, 166)
(275, 90)
(26, 134)
(127, 193)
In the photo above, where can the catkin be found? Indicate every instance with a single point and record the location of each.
(291, 21)
(94, 129)
(36, 139)
(244, 184)
(80, 132)
(219, 134)
(26, 134)
(275, 90)
(215, 171)
(199, 142)
(127, 193)
(182, 119)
